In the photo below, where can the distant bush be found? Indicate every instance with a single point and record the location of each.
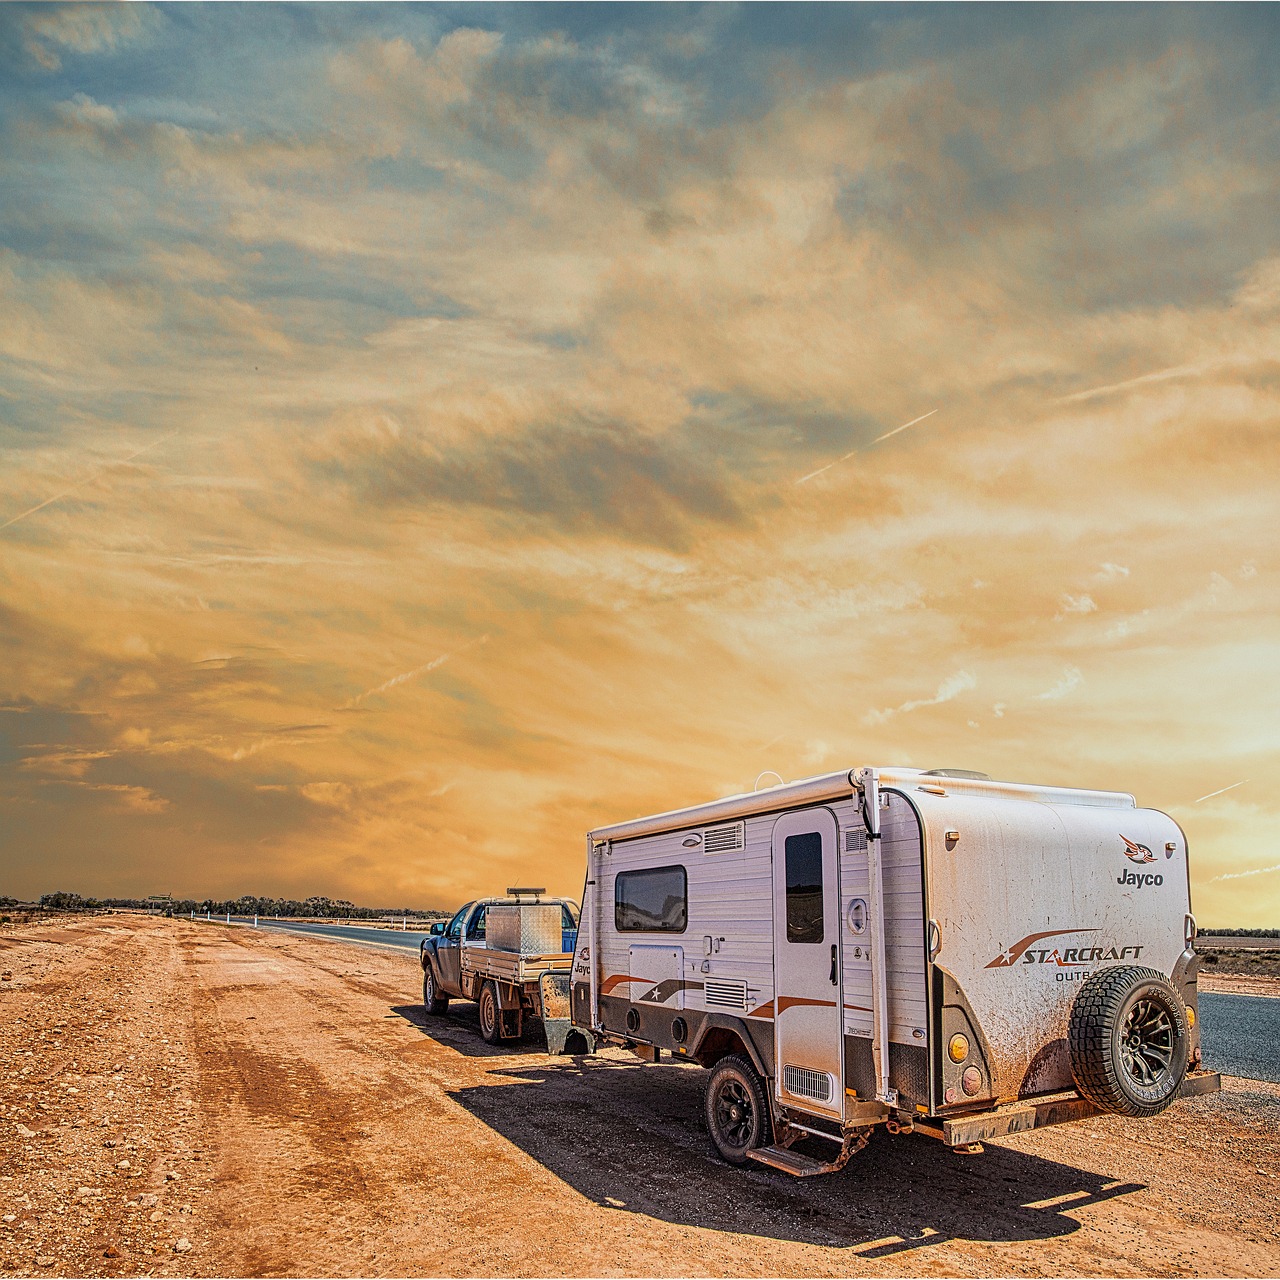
(1241, 933)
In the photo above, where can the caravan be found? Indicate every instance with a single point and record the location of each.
(927, 950)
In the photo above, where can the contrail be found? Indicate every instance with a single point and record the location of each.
(877, 440)
(1240, 875)
(79, 484)
(1232, 787)
(409, 675)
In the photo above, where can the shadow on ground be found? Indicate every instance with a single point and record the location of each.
(630, 1136)
(460, 1030)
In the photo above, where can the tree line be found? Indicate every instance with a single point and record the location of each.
(1242, 933)
(315, 907)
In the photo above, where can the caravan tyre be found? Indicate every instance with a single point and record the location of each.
(737, 1109)
(1128, 1041)
(432, 1001)
(490, 1014)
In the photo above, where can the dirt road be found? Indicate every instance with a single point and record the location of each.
(186, 1099)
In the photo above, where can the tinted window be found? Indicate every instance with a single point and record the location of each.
(567, 920)
(655, 900)
(804, 887)
(475, 926)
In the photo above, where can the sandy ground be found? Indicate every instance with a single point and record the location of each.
(189, 1100)
(1240, 984)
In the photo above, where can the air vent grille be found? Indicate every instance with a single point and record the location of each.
(724, 839)
(806, 1083)
(855, 840)
(724, 993)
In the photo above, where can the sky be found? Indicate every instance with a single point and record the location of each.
(427, 433)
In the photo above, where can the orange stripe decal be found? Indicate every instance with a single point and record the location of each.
(785, 1002)
(618, 980)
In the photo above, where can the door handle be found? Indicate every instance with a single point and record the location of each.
(833, 964)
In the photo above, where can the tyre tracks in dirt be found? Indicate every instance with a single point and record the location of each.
(319, 1123)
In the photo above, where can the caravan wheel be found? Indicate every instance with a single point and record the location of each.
(737, 1109)
(1128, 1041)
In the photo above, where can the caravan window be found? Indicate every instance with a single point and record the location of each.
(804, 887)
(655, 900)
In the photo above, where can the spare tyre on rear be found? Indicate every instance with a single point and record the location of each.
(1128, 1041)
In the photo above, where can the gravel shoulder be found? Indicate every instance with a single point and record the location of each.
(184, 1099)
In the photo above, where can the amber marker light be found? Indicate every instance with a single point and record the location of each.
(1191, 1016)
(958, 1047)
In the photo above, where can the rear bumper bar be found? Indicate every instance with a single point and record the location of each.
(1018, 1117)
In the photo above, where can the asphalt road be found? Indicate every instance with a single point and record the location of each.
(408, 938)
(1240, 1035)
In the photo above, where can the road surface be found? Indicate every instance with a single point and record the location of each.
(408, 939)
(1240, 1035)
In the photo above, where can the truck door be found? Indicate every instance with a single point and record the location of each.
(806, 963)
(449, 952)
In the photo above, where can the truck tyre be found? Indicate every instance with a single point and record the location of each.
(490, 1014)
(1128, 1041)
(432, 1001)
(737, 1109)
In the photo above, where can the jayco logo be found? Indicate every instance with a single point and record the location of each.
(1140, 854)
(1139, 879)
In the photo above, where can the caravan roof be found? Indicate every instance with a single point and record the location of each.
(832, 786)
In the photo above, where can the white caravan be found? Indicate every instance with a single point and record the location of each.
(930, 950)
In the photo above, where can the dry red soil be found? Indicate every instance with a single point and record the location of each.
(185, 1099)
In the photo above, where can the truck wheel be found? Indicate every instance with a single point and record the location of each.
(1128, 1041)
(737, 1109)
(490, 1014)
(432, 1001)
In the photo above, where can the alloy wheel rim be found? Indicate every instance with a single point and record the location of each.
(735, 1114)
(1147, 1042)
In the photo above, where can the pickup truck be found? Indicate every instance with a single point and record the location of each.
(518, 969)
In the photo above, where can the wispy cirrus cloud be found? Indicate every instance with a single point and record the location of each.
(950, 688)
(524, 325)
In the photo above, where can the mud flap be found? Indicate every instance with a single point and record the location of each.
(553, 1008)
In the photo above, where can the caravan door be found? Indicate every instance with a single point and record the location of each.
(807, 1014)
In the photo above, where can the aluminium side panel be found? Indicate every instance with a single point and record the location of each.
(726, 944)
